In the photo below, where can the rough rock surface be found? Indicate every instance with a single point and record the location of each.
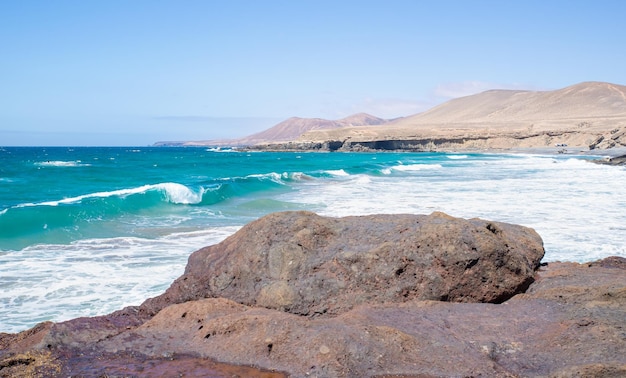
(569, 323)
(305, 264)
(618, 160)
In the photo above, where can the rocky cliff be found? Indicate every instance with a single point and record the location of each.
(580, 140)
(295, 294)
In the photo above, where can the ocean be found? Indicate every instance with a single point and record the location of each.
(87, 231)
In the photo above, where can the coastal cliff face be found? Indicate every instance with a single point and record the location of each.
(296, 294)
(582, 137)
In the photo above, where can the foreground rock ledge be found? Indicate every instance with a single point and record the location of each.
(305, 264)
(570, 321)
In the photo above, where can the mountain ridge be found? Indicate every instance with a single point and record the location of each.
(292, 128)
(515, 105)
(589, 113)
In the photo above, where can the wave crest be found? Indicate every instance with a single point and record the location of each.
(61, 163)
(174, 193)
(410, 168)
(337, 172)
(180, 194)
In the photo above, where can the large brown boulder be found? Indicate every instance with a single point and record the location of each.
(306, 264)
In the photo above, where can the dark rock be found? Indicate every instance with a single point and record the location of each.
(306, 264)
(618, 160)
(611, 262)
(569, 323)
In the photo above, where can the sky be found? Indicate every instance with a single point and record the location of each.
(131, 73)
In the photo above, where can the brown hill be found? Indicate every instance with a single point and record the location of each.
(587, 114)
(292, 128)
(590, 99)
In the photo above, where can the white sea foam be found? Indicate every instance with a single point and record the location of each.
(180, 194)
(221, 149)
(174, 193)
(456, 157)
(272, 176)
(337, 172)
(60, 163)
(576, 206)
(297, 176)
(415, 167)
(92, 277)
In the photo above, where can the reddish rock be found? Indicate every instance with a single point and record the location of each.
(569, 323)
(310, 265)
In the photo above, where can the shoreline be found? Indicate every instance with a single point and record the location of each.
(606, 153)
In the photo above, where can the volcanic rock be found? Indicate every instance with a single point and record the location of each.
(568, 323)
(619, 160)
(305, 264)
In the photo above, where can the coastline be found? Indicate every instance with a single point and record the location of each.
(605, 155)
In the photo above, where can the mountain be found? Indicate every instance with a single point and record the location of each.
(587, 114)
(293, 128)
(584, 100)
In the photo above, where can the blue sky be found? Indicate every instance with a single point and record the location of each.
(135, 72)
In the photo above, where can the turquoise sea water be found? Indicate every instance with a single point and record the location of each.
(86, 231)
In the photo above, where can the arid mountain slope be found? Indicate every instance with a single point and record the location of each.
(584, 100)
(590, 114)
(294, 127)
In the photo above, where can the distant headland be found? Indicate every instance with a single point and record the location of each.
(585, 116)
